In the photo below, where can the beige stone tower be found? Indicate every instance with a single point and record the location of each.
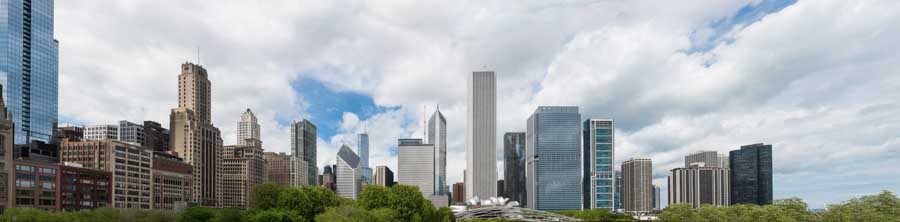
(193, 136)
(6, 154)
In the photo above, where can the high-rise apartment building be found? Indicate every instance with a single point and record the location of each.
(281, 168)
(481, 135)
(172, 180)
(30, 71)
(384, 176)
(415, 167)
(348, 178)
(699, 185)
(705, 159)
(656, 194)
(553, 158)
(363, 148)
(437, 135)
(248, 129)
(193, 136)
(129, 163)
(514, 167)
(156, 137)
(599, 164)
(751, 174)
(637, 185)
(244, 167)
(303, 148)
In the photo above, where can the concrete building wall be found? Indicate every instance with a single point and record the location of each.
(481, 133)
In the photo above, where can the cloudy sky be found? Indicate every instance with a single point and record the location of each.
(817, 79)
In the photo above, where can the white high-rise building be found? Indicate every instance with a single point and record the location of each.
(348, 173)
(437, 135)
(415, 166)
(481, 133)
(248, 129)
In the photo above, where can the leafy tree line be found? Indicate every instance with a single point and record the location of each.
(881, 207)
(272, 203)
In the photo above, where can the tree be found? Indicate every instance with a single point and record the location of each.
(196, 214)
(229, 215)
(408, 202)
(277, 215)
(265, 196)
(678, 213)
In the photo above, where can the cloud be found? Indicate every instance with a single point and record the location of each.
(815, 79)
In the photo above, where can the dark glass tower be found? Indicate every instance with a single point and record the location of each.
(29, 71)
(553, 158)
(514, 167)
(751, 174)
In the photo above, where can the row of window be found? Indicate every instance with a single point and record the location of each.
(32, 169)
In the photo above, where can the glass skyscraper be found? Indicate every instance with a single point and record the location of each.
(29, 71)
(751, 174)
(553, 159)
(599, 170)
(363, 148)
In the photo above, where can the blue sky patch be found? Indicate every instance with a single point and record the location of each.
(327, 106)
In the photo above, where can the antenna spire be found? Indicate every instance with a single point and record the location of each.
(198, 55)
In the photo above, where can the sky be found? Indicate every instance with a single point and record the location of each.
(819, 80)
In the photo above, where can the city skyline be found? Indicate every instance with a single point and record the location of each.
(713, 111)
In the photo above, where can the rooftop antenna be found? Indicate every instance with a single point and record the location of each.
(424, 122)
(198, 55)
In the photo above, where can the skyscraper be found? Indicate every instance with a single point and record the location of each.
(244, 167)
(705, 158)
(553, 164)
(599, 164)
(437, 135)
(415, 167)
(751, 174)
(363, 148)
(699, 185)
(384, 176)
(303, 148)
(514, 166)
(617, 198)
(194, 137)
(348, 176)
(6, 152)
(156, 137)
(248, 129)
(481, 133)
(280, 168)
(459, 194)
(637, 186)
(30, 71)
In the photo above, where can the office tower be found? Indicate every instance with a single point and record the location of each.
(244, 167)
(6, 152)
(71, 132)
(481, 133)
(437, 135)
(637, 187)
(514, 166)
(130, 132)
(281, 168)
(30, 71)
(459, 194)
(553, 164)
(248, 129)
(656, 203)
(699, 185)
(303, 148)
(83, 188)
(329, 177)
(704, 158)
(415, 166)
(500, 188)
(101, 132)
(617, 198)
(599, 164)
(194, 138)
(172, 179)
(751, 174)
(363, 148)
(384, 176)
(348, 176)
(130, 164)
(156, 137)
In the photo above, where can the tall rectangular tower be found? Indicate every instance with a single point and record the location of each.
(303, 148)
(599, 164)
(193, 136)
(437, 135)
(363, 150)
(751, 174)
(481, 133)
(30, 71)
(514, 166)
(637, 185)
(553, 164)
(248, 130)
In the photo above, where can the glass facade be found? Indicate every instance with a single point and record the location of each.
(751, 174)
(554, 150)
(29, 67)
(363, 149)
(599, 175)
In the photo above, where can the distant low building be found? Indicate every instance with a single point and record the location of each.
(172, 180)
(384, 176)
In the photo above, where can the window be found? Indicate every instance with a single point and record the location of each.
(48, 178)
(25, 183)
(24, 201)
(25, 192)
(47, 202)
(48, 194)
(48, 185)
(48, 170)
(24, 168)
